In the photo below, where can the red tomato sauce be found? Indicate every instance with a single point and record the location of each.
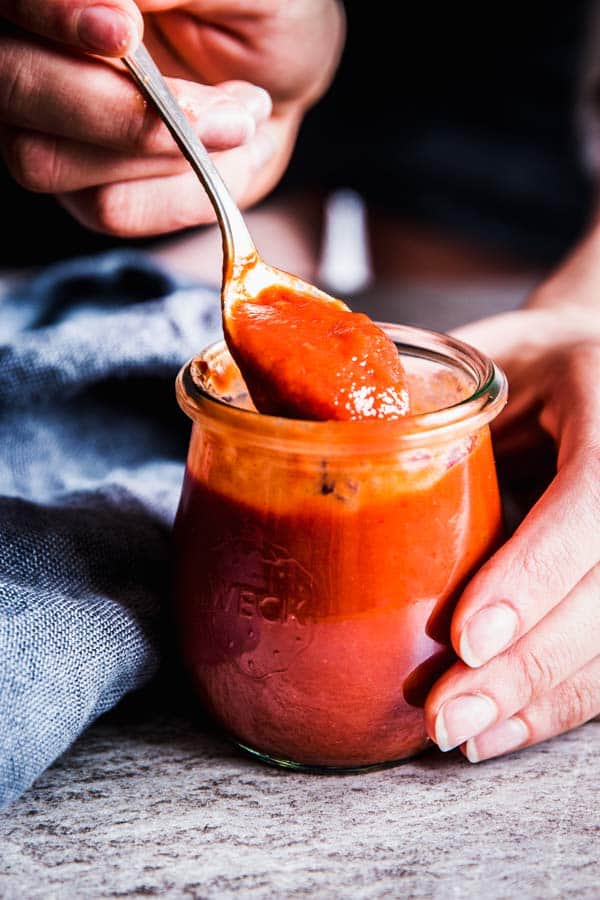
(309, 359)
(314, 608)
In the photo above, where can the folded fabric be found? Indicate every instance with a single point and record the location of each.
(92, 448)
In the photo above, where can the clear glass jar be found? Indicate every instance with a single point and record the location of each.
(317, 563)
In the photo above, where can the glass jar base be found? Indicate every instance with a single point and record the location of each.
(327, 770)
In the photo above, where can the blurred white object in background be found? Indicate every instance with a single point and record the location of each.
(345, 263)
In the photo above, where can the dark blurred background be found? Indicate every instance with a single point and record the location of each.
(460, 116)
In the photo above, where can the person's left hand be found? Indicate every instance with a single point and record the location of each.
(527, 627)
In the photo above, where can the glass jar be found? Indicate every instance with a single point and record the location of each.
(317, 564)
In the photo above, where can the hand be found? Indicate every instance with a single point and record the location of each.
(527, 627)
(75, 125)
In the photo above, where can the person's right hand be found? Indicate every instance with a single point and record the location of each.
(73, 124)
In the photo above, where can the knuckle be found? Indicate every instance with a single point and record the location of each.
(34, 163)
(112, 211)
(133, 210)
(541, 575)
(144, 131)
(585, 354)
(591, 472)
(584, 471)
(537, 568)
(575, 705)
(538, 671)
(17, 79)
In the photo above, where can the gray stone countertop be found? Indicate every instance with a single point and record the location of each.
(151, 802)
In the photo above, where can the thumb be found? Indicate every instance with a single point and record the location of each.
(497, 335)
(108, 27)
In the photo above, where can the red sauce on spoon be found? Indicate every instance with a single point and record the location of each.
(307, 358)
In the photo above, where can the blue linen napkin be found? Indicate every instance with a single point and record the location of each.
(92, 449)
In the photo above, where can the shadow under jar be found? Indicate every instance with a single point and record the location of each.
(317, 564)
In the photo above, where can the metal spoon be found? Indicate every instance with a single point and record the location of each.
(244, 272)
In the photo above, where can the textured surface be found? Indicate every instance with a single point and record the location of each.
(152, 803)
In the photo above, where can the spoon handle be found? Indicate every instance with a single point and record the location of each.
(237, 242)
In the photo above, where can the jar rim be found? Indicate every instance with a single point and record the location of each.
(464, 416)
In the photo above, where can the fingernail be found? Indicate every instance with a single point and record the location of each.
(256, 100)
(502, 738)
(262, 149)
(488, 632)
(227, 124)
(462, 718)
(105, 29)
(259, 105)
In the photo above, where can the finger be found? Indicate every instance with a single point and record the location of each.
(51, 165)
(520, 342)
(160, 205)
(47, 164)
(547, 555)
(112, 27)
(497, 335)
(534, 570)
(155, 6)
(571, 413)
(258, 41)
(524, 334)
(44, 90)
(465, 702)
(571, 704)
